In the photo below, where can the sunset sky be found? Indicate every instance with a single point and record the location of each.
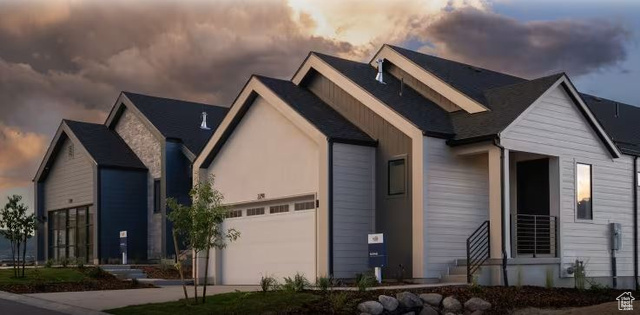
(70, 59)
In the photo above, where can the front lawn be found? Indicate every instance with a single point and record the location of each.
(278, 302)
(46, 275)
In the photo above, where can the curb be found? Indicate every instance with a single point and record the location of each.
(48, 305)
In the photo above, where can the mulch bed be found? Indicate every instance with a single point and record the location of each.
(165, 272)
(503, 300)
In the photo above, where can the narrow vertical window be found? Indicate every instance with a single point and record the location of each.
(584, 186)
(156, 196)
(397, 177)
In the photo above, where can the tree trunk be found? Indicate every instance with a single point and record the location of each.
(16, 263)
(195, 277)
(13, 257)
(206, 276)
(184, 285)
(24, 254)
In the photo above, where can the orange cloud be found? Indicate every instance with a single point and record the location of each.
(21, 152)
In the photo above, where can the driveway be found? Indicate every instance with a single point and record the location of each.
(16, 304)
(110, 299)
(14, 308)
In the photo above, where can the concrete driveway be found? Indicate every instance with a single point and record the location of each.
(110, 299)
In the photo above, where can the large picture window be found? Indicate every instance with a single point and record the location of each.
(397, 177)
(71, 234)
(584, 196)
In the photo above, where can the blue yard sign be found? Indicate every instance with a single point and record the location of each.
(377, 250)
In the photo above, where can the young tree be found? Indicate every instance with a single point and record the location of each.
(180, 216)
(200, 224)
(17, 227)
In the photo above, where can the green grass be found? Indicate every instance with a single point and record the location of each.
(47, 275)
(229, 303)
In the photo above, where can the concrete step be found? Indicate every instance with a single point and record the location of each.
(163, 282)
(123, 270)
(454, 279)
(458, 270)
(109, 267)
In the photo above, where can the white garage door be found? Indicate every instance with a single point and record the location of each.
(276, 239)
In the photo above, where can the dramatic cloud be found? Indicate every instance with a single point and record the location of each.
(529, 49)
(17, 157)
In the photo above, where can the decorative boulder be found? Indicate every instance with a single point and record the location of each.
(451, 304)
(428, 310)
(409, 300)
(477, 304)
(432, 299)
(371, 307)
(388, 302)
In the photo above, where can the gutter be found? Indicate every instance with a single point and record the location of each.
(496, 142)
(635, 222)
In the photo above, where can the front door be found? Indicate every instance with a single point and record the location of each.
(533, 223)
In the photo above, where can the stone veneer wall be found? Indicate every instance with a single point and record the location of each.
(148, 148)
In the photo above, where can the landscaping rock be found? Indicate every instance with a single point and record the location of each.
(371, 307)
(388, 302)
(432, 299)
(428, 310)
(409, 300)
(451, 304)
(477, 304)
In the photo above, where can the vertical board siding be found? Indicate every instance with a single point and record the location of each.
(353, 208)
(555, 126)
(123, 208)
(70, 178)
(179, 182)
(393, 215)
(457, 202)
(148, 149)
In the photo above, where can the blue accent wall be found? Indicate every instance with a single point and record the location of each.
(179, 182)
(122, 207)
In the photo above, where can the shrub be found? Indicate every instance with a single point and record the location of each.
(580, 274)
(400, 274)
(268, 283)
(38, 281)
(365, 280)
(338, 301)
(80, 263)
(324, 283)
(64, 262)
(597, 287)
(475, 286)
(297, 284)
(49, 263)
(96, 273)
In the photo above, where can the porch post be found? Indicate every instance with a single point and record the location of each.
(495, 202)
(507, 203)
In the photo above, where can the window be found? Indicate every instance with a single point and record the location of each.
(584, 186)
(279, 209)
(255, 211)
(304, 205)
(396, 177)
(156, 196)
(234, 213)
(71, 234)
(70, 152)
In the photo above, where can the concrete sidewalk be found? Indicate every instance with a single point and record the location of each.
(105, 300)
(16, 304)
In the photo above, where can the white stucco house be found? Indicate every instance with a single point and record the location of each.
(467, 172)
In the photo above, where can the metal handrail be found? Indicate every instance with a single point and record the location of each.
(536, 234)
(478, 249)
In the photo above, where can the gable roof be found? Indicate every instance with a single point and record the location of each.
(621, 126)
(322, 116)
(423, 113)
(176, 119)
(103, 145)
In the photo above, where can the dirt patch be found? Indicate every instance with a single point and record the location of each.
(164, 272)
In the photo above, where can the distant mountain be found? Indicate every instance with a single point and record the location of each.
(5, 248)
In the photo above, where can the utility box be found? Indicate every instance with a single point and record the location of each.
(616, 236)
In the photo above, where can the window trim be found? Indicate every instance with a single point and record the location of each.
(404, 190)
(575, 195)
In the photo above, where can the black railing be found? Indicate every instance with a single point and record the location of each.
(536, 235)
(478, 249)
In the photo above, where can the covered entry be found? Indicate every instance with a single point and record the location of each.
(278, 239)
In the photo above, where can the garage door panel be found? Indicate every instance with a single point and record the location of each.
(277, 245)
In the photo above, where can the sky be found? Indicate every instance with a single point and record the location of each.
(71, 58)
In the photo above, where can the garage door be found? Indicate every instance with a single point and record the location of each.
(277, 239)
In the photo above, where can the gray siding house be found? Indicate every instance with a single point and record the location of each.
(99, 179)
(469, 173)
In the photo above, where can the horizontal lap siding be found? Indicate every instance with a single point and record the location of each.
(70, 179)
(555, 126)
(457, 202)
(353, 207)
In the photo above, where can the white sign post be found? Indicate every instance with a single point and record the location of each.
(377, 254)
(123, 246)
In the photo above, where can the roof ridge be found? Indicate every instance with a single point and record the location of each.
(171, 99)
(559, 74)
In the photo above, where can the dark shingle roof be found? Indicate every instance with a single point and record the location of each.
(470, 80)
(178, 119)
(423, 113)
(322, 116)
(104, 145)
(507, 103)
(623, 128)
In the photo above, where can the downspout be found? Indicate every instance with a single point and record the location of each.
(496, 142)
(635, 222)
(330, 208)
